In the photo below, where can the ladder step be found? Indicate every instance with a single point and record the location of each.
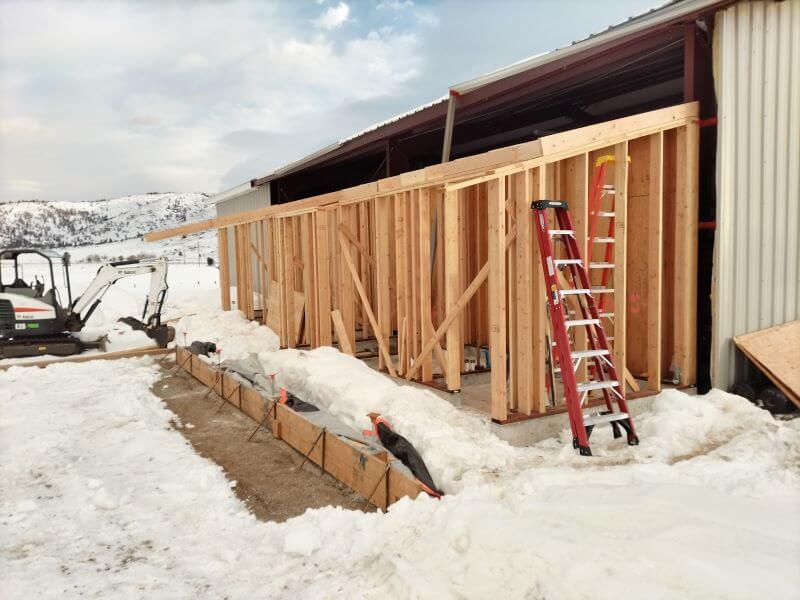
(567, 261)
(589, 353)
(605, 315)
(602, 290)
(560, 232)
(600, 419)
(605, 213)
(579, 322)
(601, 265)
(576, 292)
(604, 240)
(597, 385)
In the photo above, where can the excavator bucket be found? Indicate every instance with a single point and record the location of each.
(162, 334)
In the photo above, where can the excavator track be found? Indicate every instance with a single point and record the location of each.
(64, 345)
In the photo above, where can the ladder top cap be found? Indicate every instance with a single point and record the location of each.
(542, 204)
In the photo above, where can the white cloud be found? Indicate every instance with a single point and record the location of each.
(334, 16)
(23, 187)
(20, 126)
(395, 4)
(113, 98)
(109, 101)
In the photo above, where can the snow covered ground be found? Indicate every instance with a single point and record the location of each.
(101, 497)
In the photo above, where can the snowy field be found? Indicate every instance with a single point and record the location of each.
(101, 497)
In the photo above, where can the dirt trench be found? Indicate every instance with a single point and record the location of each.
(265, 469)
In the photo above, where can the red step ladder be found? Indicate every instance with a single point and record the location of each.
(598, 353)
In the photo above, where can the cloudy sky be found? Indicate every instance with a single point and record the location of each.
(102, 99)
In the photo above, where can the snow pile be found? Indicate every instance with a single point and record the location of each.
(235, 336)
(349, 389)
(101, 497)
(460, 450)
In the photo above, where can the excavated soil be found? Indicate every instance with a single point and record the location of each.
(265, 469)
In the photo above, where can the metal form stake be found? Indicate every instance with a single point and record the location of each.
(213, 385)
(266, 412)
(310, 450)
(228, 397)
(180, 366)
(377, 485)
(264, 420)
(166, 354)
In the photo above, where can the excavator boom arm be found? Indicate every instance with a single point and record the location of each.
(109, 274)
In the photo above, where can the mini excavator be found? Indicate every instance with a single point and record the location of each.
(35, 321)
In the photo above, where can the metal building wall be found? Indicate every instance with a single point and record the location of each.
(256, 198)
(756, 281)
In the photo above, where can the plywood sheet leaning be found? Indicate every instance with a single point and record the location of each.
(775, 351)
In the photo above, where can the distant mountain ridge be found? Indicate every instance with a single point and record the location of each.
(39, 223)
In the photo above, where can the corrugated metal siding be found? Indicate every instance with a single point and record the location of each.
(256, 198)
(757, 253)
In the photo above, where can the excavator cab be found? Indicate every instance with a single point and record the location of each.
(29, 296)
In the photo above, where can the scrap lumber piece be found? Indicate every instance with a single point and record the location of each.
(362, 469)
(774, 351)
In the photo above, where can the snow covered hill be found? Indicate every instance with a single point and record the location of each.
(62, 224)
